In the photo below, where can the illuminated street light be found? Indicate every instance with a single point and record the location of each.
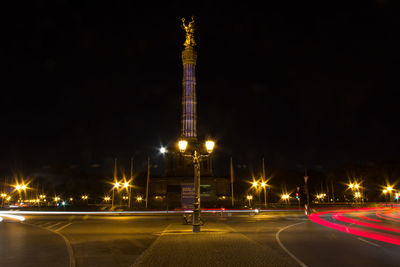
(249, 198)
(116, 184)
(84, 197)
(255, 183)
(126, 184)
(18, 187)
(196, 158)
(182, 144)
(351, 186)
(264, 185)
(210, 146)
(389, 188)
(139, 198)
(285, 197)
(163, 150)
(23, 187)
(356, 186)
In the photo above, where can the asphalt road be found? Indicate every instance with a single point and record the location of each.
(272, 238)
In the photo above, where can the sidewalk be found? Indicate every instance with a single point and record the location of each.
(215, 245)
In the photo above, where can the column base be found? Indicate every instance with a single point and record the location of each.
(196, 228)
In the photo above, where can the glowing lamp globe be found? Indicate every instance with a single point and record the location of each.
(210, 146)
(182, 144)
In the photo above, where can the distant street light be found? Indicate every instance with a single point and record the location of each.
(264, 185)
(115, 185)
(163, 150)
(389, 189)
(127, 186)
(196, 157)
(249, 198)
(285, 197)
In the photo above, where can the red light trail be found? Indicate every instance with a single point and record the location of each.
(360, 228)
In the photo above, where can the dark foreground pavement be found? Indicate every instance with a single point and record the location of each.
(24, 246)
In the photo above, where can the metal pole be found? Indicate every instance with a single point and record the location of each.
(148, 181)
(232, 179)
(307, 191)
(129, 197)
(131, 179)
(196, 204)
(265, 196)
(112, 201)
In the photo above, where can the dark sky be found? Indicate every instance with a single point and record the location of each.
(300, 84)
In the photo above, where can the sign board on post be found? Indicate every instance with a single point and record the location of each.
(305, 179)
(187, 196)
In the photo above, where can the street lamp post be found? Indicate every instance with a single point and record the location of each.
(196, 157)
(249, 198)
(116, 185)
(128, 189)
(264, 185)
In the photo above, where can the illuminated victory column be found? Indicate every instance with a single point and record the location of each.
(189, 57)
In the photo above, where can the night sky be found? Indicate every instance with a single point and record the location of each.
(301, 84)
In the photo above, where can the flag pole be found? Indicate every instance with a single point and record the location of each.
(232, 180)
(148, 181)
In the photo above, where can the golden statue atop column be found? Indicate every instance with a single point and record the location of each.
(189, 29)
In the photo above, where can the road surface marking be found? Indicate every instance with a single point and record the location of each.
(72, 262)
(369, 242)
(62, 227)
(44, 224)
(284, 248)
(51, 226)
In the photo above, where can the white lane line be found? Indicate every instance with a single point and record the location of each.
(284, 248)
(43, 224)
(368, 242)
(53, 225)
(63, 227)
(70, 251)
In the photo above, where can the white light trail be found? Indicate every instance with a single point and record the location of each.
(16, 217)
(120, 212)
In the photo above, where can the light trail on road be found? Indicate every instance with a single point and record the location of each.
(360, 228)
(124, 212)
(15, 217)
